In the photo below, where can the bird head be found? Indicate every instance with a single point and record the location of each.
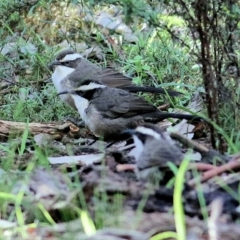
(141, 135)
(67, 58)
(144, 132)
(86, 89)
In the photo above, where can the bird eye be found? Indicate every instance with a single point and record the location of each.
(67, 63)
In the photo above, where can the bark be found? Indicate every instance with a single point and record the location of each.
(209, 78)
(56, 129)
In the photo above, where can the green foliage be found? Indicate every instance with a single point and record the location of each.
(156, 60)
(173, 21)
(131, 9)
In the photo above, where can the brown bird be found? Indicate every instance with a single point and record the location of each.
(72, 69)
(153, 149)
(109, 111)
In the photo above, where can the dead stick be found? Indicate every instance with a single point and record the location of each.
(189, 143)
(126, 167)
(198, 166)
(215, 171)
(202, 166)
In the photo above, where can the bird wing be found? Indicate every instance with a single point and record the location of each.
(113, 78)
(85, 71)
(113, 103)
(109, 77)
(163, 152)
(89, 71)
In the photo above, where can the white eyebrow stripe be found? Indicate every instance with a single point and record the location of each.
(71, 57)
(148, 131)
(90, 86)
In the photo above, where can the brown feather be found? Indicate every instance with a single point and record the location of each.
(113, 103)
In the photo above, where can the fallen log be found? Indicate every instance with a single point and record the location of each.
(56, 129)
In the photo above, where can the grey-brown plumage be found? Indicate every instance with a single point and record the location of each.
(108, 111)
(157, 147)
(83, 70)
(153, 149)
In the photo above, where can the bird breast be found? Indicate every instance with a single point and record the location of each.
(58, 76)
(82, 106)
(89, 114)
(60, 81)
(93, 120)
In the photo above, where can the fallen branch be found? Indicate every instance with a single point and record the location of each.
(215, 171)
(55, 129)
(208, 155)
(201, 166)
(189, 143)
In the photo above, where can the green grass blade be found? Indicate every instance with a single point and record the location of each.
(24, 138)
(177, 200)
(164, 235)
(87, 222)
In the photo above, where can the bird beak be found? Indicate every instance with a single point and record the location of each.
(67, 92)
(128, 132)
(54, 63)
(64, 92)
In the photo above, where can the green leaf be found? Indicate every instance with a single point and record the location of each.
(146, 67)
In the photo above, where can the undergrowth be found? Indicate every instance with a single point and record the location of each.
(29, 95)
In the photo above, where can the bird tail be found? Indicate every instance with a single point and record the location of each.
(159, 116)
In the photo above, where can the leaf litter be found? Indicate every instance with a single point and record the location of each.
(112, 171)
